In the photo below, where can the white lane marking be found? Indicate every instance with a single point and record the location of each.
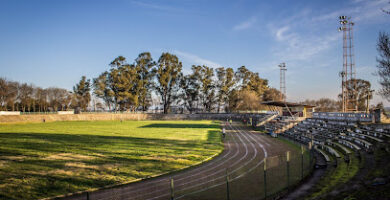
(246, 153)
(258, 164)
(196, 169)
(218, 171)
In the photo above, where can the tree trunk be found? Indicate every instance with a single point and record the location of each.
(165, 108)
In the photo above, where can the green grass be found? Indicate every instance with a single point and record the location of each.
(336, 176)
(380, 169)
(40, 160)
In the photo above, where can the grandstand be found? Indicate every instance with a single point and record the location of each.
(353, 147)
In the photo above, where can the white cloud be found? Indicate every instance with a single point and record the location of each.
(245, 24)
(294, 46)
(280, 33)
(196, 60)
(360, 11)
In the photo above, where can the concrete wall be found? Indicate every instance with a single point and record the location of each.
(65, 112)
(9, 113)
(352, 117)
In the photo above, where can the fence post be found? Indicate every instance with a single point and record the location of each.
(310, 158)
(288, 169)
(172, 190)
(302, 150)
(227, 185)
(87, 195)
(265, 178)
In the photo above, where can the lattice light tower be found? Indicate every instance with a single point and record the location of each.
(283, 81)
(348, 73)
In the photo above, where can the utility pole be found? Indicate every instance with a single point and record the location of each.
(283, 70)
(348, 74)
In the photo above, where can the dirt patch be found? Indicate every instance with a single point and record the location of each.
(69, 156)
(3, 163)
(80, 165)
(62, 172)
(13, 158)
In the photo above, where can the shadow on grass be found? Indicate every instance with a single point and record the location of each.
(172, 125)
(38, 165)
(15, 143)
(26, 157)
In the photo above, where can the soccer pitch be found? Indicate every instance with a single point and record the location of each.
(40, 160)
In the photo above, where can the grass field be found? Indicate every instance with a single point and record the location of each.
(336, 176)
(40, 160)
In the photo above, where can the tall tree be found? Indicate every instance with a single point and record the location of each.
(123, 80)
(41, 98)
(144, 65)
(102, 89)
(168, 74)
(82, 92)
(205, 77)
(225, 83)
(243, 75)
(383, 66)
(272, 94)
(12, 95)
(361, 91)
(251, 81)
(324, 104)
(3, 93)
(58, 98)
(190, 91)
(244, 100)
(24, 96)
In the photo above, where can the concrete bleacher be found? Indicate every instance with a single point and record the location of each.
(343, 131)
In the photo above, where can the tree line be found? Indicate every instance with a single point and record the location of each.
(15, 96)
(132, 85)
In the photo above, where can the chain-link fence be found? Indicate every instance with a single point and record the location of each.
(269, 178)
(256, 178)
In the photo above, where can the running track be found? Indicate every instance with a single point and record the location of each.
(243, 150)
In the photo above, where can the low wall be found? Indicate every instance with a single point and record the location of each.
(352, 117)
(9, 113)
(121, 116)
(65, 112)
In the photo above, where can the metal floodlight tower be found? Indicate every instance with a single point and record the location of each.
(283, 81)
(348, 74)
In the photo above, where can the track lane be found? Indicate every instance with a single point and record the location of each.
(241, 149)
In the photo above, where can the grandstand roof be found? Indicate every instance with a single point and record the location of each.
(284, 104)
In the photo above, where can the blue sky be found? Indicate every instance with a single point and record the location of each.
(55, 42)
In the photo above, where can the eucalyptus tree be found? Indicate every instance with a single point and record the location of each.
(361, 91)
(243, 75)
(144, 65)
(82, 92)
(102, 89)
(190, 91)
(225, 84)
(205, 76)
(168, 74)
(122, 84)
(272, 94)
(251, 81)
